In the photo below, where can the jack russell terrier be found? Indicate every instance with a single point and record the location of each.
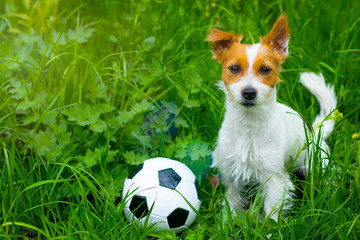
(259, 136)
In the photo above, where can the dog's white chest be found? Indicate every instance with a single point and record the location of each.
(241, 154)
(246, 150)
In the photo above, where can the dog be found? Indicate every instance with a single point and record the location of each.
(259, 136)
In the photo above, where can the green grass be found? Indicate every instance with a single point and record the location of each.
(79, 78)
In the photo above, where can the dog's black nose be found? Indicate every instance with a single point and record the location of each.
(249, 93)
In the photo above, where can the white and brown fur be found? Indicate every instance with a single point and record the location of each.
(259, 136)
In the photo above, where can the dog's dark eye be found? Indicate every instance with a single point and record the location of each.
(265, 70)
(235, 69)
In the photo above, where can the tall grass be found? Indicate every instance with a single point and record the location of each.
(91, 89)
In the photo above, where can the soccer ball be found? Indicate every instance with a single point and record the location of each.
(159, 192)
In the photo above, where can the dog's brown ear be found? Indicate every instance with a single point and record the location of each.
(221, 42)
(278, 38)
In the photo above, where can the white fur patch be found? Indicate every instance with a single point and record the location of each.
(251, 53)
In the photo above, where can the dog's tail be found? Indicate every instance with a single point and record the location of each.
(325, 95)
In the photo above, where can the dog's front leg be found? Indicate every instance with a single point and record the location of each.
(234, 197)
(278, 193)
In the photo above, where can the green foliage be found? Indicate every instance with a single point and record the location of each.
(91, 89)
(195, 154)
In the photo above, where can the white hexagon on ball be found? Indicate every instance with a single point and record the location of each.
(155, 194)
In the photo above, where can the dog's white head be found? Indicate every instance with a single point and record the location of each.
(250, 72)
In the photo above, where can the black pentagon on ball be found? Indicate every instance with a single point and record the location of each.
(169, 178)
(138, 169)
(177, 218)
(138, 206)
